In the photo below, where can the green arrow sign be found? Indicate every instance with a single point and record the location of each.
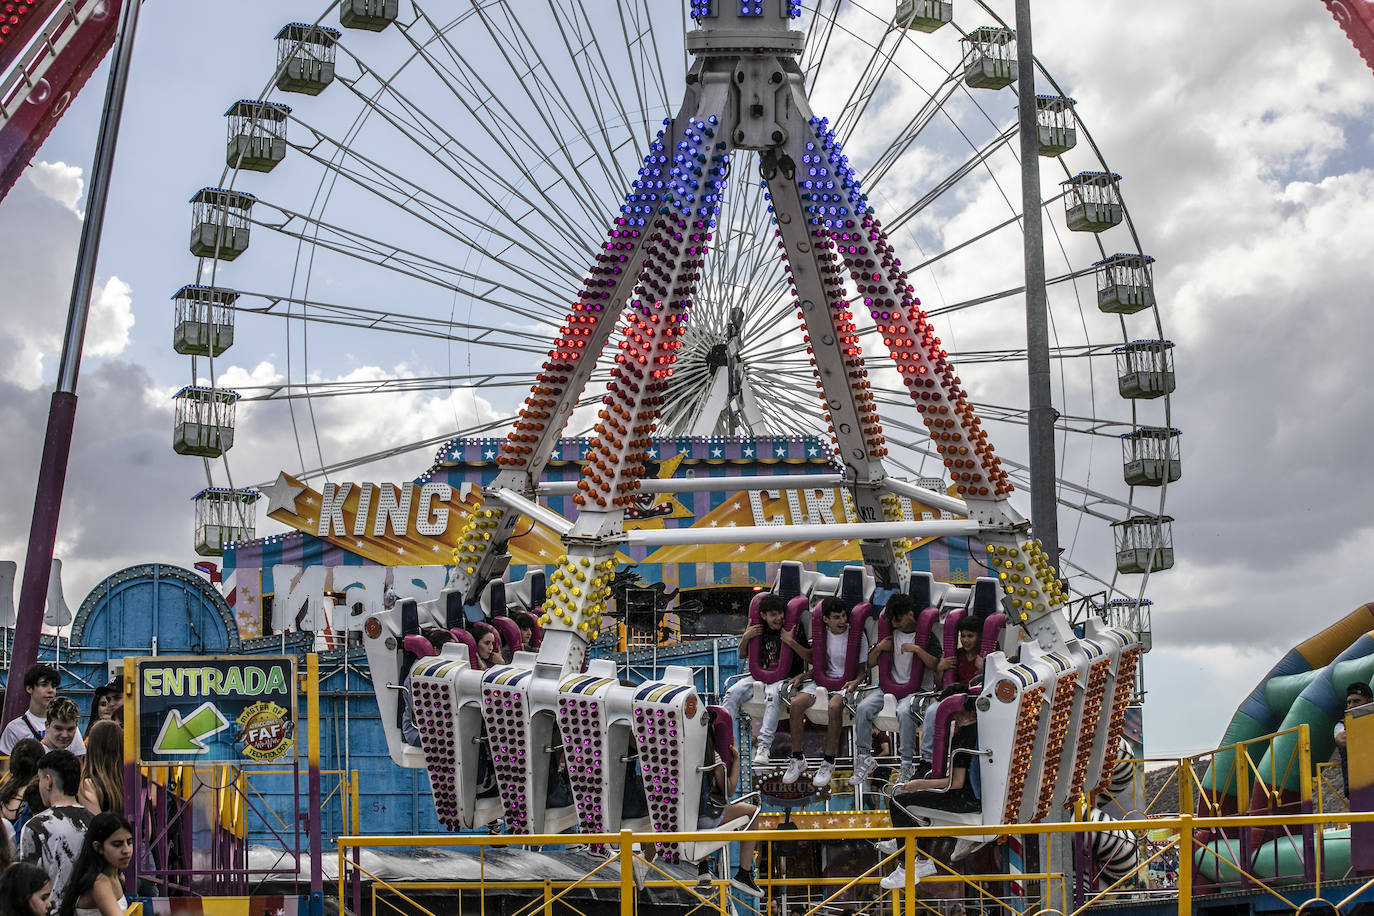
(186, 736)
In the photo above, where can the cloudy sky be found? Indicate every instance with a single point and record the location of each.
(1248, 158)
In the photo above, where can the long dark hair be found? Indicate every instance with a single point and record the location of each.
(91, 863)
(101, 692)
(20, 882)
(23, 768)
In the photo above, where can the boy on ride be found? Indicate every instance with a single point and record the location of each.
(772, 637)
(900, 611)
(835, 614)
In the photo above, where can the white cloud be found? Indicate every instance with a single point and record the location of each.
(111, 319)
(59, 181)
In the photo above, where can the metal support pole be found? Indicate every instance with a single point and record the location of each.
(312, 705)
(1058, 849)
(1044, 509)
(57, 441)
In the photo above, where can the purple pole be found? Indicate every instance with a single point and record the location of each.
(57, 443)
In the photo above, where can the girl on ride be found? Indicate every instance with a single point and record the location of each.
(96, 887)
(488, 645)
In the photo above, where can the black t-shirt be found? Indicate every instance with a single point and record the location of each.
(770, 649)
(966, 738)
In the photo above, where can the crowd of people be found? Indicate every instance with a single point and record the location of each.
(64, 840)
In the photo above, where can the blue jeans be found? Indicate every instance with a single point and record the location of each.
(868, 710)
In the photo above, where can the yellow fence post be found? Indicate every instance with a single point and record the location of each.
(627, 874)
(1185, 864)
(909, 855)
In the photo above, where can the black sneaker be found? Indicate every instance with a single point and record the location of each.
(743, 881)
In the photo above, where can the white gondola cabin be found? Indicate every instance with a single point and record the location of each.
(924, 15)
(989, 57)
(203, 322)
(219, 223)
(257, 135)
(1092, 201)
(372, 15)
(1150, 456)
(1144, 543)
(1131, 614)
(1057, 123)
(1145, 369)
(1125, 283)
(305, 57)
(223, 516)
(204, 424)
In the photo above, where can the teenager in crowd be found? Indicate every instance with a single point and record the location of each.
(54, 837)
(24, 890)
(61, 725)
(96, 887)
(41, 683)
(772, 636)
(102, 770)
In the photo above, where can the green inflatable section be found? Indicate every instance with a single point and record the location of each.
(1278, 857)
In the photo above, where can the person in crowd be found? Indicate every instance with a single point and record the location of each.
(488, 645)
(772, 637)
(41, 683)
(955, 792)
(96, 887)
(117, 700)
(102, 705)
(54, 838)
(525, 621)
(967, 660)
(102, 770)
(835, 614)
(438, 638)
(61, 726)
(1356, 695)
(23, 773)
(25, 890)
(900, 612)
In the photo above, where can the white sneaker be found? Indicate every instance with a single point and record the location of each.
(904, 772)
(895, 881)
(763, 754)
(640, 870)
(823, 775)
(924, 868)
(889, 846)
(863, 768)
(795, 769)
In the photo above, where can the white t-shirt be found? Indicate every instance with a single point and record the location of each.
(18, 730)
(837, 651)
(901, 661)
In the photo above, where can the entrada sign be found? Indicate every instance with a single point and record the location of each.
(208, 709)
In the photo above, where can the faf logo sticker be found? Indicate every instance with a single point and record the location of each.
(265, 731)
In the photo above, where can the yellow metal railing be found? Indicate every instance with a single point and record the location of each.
(623, 853)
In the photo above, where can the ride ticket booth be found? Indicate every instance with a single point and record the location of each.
(207, 727)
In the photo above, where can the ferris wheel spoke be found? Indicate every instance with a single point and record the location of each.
(904, 139)
(483, 179)
(287, 390)
(445, 218)
(1009, 221)
(880, 59)
(404, 194)
(351, 316)
(642, 43)
(506, 132)
(538, 83)
(818, 35)
(950, 181)
(1007, 293)
(403, 261)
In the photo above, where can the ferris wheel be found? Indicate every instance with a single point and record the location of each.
(423, 189)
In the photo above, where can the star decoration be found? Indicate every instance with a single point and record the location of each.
(653, 452)
(749, 452)
(813, 451)
(780, 451)
(490, 453)
(716, 453)
(282, 494)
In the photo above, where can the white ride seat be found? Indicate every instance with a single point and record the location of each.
(886, 719)
(819, 713)
(696, 851)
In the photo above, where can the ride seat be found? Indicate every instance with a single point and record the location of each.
(941, 765)
(723, 731)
